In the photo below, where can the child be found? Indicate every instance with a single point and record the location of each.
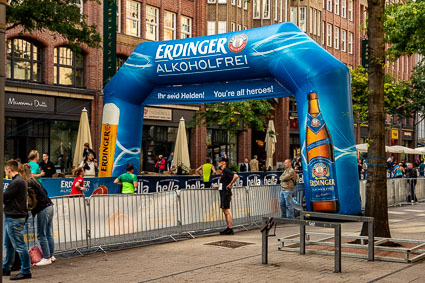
(78, 184)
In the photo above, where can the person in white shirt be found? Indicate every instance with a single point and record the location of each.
(245, 166)
(90, 166)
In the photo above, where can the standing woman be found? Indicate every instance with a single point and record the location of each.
(78, 184)
(44, 212)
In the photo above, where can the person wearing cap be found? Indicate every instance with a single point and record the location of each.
(225, 186)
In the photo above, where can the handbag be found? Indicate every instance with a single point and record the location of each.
(35, 253)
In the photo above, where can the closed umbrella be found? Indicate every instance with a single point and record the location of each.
(181, 150)
(83, 136)
(270, 144)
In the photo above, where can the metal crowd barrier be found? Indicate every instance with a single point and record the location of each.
(106, 220)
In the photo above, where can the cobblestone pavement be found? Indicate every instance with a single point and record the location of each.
(192, 261)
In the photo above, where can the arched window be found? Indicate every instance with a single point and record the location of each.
(23, 60)
(120, 61)
(68, 67)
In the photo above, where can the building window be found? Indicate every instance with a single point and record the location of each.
(310, 20)
(133, 18)
(344, 8)
(239, 3)
(350, 10)
(119, 15)
(293, 15)
(344, 40)
(266, 9)
(323, 32)
(275, 10)
(233, 2)
(23, 60)
(303, 25)
(152, 19)
(350, 42)
(211, 28)
(222, 27)
(256, 9)
(222, 1)
(68, 67)
(336, 38)
(314, 21)
(244, 28)
(329, 5)
(186, 27)
(239, 27)
(318, 22)
(336, 7)
(120, 61)
(211, 1)
(79, 4)
(169, 25)
(329, 35)
(233, 25)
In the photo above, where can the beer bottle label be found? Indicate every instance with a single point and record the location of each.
(322, 179)
(315, 123)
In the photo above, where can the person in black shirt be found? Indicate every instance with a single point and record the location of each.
(245, 166)
(47, 166)
(87, 150)
(15, 214)
(225, 186)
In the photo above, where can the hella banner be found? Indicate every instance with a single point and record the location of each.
(273, 61)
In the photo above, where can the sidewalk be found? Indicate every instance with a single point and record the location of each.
(193, 261)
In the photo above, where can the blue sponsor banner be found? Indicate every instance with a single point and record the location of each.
(57, 187)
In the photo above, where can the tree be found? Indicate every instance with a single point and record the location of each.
(405, 28)
(399, 98)
(60, 17)
(376, 197)
(234, 116)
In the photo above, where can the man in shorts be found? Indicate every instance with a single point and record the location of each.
(128, 180)
(225, 186)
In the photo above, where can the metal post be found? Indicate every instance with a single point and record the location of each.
(3, 4)
(302, 239)
(265, 243)
(338, 248)
(371, 239)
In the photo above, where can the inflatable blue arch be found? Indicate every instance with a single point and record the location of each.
(268, 62)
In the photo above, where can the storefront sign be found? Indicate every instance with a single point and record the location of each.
(29, 103)
(407, 135)
(158, 114)
(394, 134)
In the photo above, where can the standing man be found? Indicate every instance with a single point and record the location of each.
(128, 180)
(287, 183)
(170, 160)
(245, 166)
(33, 158)
(47, 166)
(412, 175)
(15, 212)
(88, 150)
(206, 171)
(225, 186)
(254, 164)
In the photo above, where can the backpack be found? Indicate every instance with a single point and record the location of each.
(31, 198)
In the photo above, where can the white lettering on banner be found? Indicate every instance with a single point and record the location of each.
(238, 183)
(272, 180)
(66, 186)
(172, 51)
(196, 185)
(168, 186)
(142, 188)
(253, 181)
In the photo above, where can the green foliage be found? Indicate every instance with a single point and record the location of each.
(404, 28)
(418, 87)
(399, 98)
(234, 116)
(60, 17)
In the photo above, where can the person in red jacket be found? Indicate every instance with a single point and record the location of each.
(160, 164)
(78, 184)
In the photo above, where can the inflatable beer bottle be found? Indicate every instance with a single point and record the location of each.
(110, 120)
(320, 160)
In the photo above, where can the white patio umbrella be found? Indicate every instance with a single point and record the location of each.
(83, 136)
(403, 149)
(421, 149)
(362, 147)
(181, 150)
(270, 143)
